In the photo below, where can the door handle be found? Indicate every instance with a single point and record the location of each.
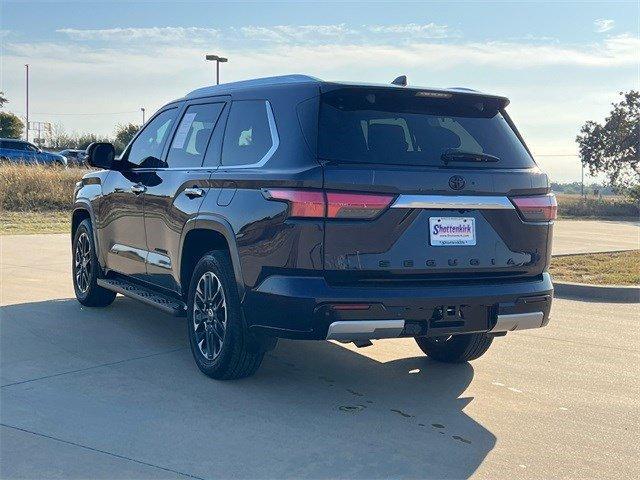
(194, 192)
(138, 189)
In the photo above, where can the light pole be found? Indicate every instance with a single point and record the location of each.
(218, 61)
(142, 109)
(26, 130)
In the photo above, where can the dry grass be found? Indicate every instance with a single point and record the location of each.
(13, 223)
(613, 207)
(620, 268)
(37, 188)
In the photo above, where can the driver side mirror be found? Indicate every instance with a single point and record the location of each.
(101, 155)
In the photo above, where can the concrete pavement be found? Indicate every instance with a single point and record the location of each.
(586, 236)
(114, 393)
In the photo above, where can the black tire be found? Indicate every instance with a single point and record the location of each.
(456, 348)
(221, 353)
(86, 269)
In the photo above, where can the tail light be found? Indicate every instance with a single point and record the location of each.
(540, 208)
(356, 205)
(315, 204)
(302, 203)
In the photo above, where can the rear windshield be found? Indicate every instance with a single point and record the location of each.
(384, 126)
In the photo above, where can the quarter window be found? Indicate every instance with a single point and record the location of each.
(150, 142)
(192, 135)
(247, 138)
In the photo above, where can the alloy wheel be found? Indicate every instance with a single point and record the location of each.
(82, 261)
(209, 315)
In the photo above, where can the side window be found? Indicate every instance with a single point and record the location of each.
(467, 142)
(400, 125)
(247, 137)
(16, 145)
(214, 150)
(151, 140)
(192, 135)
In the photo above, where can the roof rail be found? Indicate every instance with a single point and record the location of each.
(257, 82)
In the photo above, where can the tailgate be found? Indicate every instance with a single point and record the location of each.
(400, 244)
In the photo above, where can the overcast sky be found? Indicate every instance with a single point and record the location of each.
(94, 64)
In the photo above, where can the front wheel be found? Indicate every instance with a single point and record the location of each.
(221, 344)
(85, 269)
(455, 348)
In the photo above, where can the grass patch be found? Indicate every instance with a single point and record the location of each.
(12, 223)
(36, 198)
(37, 188)
(614, 207)
(620, 268)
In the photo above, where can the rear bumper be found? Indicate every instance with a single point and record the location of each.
(310, 308)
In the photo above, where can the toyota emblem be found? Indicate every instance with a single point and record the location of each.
(457, 182)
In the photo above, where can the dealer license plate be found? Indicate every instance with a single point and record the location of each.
(452, 231)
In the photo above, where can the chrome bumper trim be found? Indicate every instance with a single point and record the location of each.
(348, 331)
(453, 202)
(518, 321)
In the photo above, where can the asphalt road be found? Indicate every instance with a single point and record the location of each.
(114, 393)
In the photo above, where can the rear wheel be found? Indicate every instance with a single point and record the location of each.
(455, 348)
(85, 269)
(221, 344)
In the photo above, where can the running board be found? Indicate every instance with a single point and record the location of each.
(167, 304)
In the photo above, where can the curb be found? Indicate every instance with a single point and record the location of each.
(609, 293)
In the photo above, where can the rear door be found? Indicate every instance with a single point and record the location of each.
(175, 191)
(448, 168)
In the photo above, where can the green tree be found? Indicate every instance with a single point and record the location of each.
(60, 139)
(10, 125)
(3, 99)
(86, 139)
(634, 193)
(612, 147)
(124, 134)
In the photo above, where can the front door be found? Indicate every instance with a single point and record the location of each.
(121, 229)
(174, 193)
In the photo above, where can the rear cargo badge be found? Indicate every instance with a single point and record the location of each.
(457, 182)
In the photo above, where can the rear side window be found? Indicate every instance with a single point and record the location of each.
(247, 138)
(192, 135)
(401, 127)
(150, 142)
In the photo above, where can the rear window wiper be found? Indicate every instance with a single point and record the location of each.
(457, 156)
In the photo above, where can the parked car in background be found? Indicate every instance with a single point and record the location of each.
(295, 208)
(19, 151)
(74, 157)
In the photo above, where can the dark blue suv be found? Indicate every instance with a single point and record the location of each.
(296, 208)
(19, 151)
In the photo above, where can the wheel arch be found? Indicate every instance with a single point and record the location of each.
(82, 210)
(200, 235)
(80, 213)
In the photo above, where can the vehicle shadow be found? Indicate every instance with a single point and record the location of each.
(319, 408)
